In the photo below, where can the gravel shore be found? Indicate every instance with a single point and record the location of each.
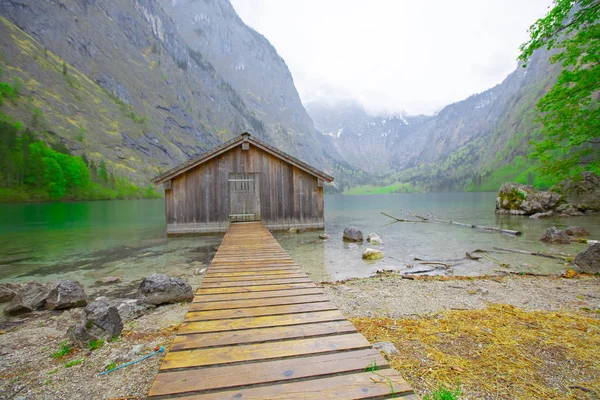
(393, 296)
(28, 371)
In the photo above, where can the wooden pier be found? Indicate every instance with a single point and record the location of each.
(259, 328)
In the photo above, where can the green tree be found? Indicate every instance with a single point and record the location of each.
(102, 173)
(54, 178)
(569, 112)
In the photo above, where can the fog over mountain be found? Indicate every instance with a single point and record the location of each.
(394, 56)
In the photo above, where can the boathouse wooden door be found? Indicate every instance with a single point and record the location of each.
(244, 196)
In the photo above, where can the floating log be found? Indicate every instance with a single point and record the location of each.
(399, 219)
(556, 257)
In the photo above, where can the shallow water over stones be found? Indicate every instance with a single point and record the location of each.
(87, 241)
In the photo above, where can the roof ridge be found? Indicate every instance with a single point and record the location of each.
(207, 155)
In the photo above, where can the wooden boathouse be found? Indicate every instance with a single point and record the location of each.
(244, 179)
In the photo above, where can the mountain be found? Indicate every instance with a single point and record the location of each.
(146, 84)
(462, 144)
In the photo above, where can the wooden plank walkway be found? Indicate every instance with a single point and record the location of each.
(259, 328)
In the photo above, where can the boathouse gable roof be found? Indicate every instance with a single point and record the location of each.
(224, 147)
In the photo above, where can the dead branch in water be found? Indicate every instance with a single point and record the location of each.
(436, 263)
(483, 228)
(584, 240)
(399, 219)
(520, 273)
(556, 257)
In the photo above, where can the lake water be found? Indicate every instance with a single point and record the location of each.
(89, 240)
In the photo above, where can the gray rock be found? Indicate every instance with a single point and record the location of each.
(130, 309)
(352, 234)
(293, 230)
(542, 215)
(583, 193)
(387, 348)
(372, 254)
(589, 259)
(8, 291)
(374, 238)
(577, 231)
(99, 320)
(568, 210)
(555, 235)
(79, 335)
(323, 236)
(108, 280)
(30, 297)
(160, 289)
(66, 294)
(517, 199)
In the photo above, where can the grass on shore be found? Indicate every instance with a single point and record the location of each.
(397, 187)
(498, 352)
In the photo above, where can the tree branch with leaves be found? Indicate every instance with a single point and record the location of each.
(570, 111)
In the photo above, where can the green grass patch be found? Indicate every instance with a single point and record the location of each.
(397, 187)
(64, 349)
(73, 363)
(442, 393)
(95, 344)
(111, 366)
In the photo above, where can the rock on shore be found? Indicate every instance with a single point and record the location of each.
(589, 259)
(161, 289)
(66, 294)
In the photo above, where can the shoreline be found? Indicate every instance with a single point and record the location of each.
(27, 366)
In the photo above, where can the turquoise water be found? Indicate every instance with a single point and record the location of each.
(89, 240)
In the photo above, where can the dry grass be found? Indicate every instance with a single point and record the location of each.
(496, 353)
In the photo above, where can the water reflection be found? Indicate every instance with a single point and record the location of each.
(89, 240)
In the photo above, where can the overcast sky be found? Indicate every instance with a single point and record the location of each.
(395, 55)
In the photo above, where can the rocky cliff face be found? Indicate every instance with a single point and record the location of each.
(446, 149)
(146, 84)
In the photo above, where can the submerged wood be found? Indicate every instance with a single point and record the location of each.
(399, 219)
(520, 273)
(483, 228)
(556, 257)
(584, 241)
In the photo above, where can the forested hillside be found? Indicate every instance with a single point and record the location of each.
(144, 85)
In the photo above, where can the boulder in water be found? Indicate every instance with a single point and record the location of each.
(577, 231)
(514, 198)
(568, 210)
(353, 234)
(324, 236)
(374, 238)
(372, 254)
(555, 235)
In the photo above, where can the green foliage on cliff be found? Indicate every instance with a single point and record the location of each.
(570, 111)
(30, 170)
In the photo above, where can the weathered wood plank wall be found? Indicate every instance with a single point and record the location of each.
(198, 200)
